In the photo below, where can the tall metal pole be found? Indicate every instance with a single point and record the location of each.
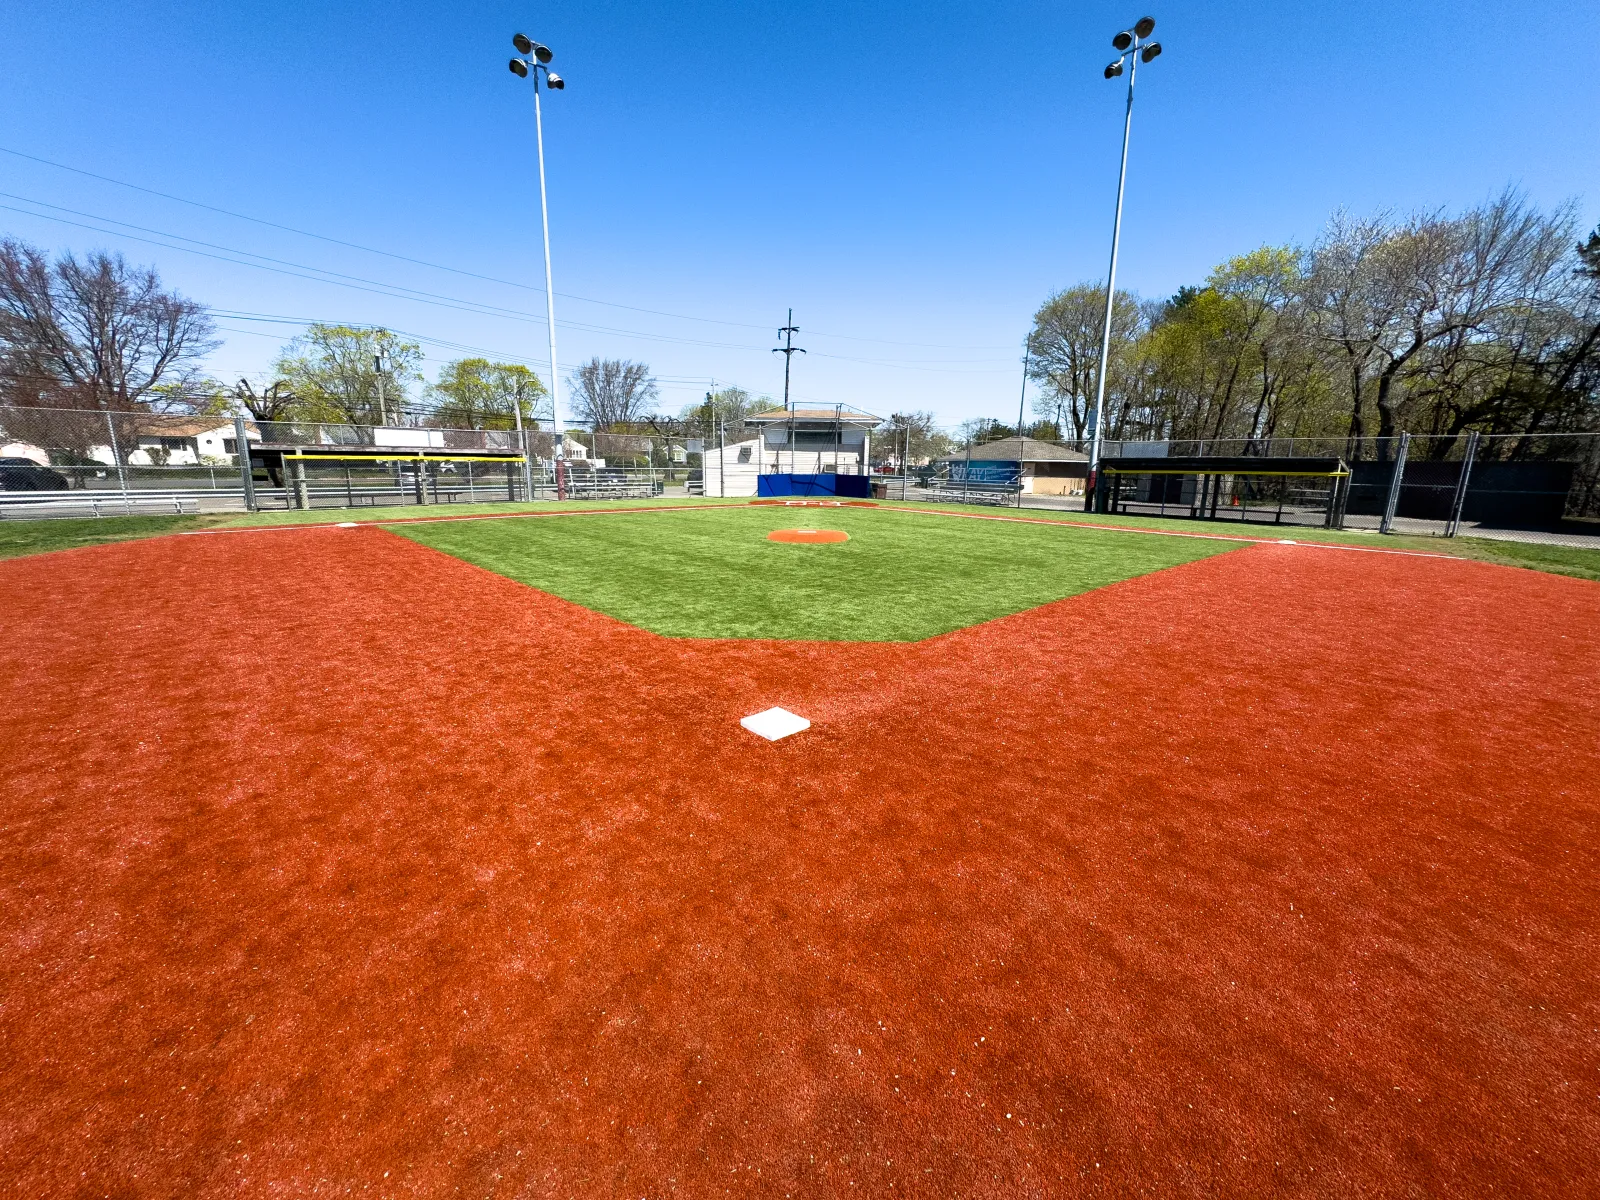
(1111, 296)
(549, 300)
(1027, 357)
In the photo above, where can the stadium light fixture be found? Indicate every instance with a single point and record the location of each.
(537, 59)
(1134, 48)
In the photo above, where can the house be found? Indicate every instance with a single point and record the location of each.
(27, 450)
(1045, 468)
(180, 443)
(800, 441)
(161, 441)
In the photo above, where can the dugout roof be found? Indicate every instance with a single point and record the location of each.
(265, 455)
(1012, 449)
(1223, 465)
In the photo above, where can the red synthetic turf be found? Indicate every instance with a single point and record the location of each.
(808, 537)
(333, 864)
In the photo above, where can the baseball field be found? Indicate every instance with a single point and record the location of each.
(431, 858)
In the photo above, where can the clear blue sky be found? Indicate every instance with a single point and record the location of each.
(913, 179)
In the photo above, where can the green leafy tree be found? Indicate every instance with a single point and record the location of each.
(1064, 352)
(912, 436)
(474, 393)
(724, 409)
(349, 374)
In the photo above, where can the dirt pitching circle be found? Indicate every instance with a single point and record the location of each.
(808, 537)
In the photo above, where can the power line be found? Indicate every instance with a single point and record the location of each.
(396, 292)
(440, 266)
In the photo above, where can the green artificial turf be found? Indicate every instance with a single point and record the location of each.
(18, 538)
(1558, 560)
(35, 537)
(712, 573)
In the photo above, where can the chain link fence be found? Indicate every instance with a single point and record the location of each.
(1529, 487)
(68, 462)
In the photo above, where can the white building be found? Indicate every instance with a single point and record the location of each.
(799, 441)
(177, 443)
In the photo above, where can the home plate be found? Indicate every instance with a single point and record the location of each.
(775, 723)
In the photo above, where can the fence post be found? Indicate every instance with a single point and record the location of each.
(1460, 500)
(116, 457)
(1394, 484)
(302, 492)
(247, 475)
(527, 467)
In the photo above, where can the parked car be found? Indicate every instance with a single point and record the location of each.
(25, 475)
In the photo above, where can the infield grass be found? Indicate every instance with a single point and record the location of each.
(713, 574)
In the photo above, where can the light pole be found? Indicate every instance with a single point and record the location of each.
(538, 59)
(1134, 47)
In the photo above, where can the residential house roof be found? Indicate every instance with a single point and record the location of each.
(1013, 449)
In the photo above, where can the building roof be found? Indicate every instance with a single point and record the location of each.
(1018, 450)
(843, 413)
(160, 425)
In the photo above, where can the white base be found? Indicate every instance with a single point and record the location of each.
(775, 723)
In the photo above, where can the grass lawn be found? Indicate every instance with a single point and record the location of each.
(714, 574)
(35, 537)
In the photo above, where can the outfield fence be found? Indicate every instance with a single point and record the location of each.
(70, 462)
(1533, 487)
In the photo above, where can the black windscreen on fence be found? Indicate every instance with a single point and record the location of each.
(1509, 494)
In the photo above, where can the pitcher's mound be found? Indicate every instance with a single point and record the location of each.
(808, 535)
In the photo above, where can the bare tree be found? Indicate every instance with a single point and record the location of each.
(1385, 293)
(722, 410)
(913, 436)
(1064, 351)
(274, 402)
(94, 332)
(609, 392)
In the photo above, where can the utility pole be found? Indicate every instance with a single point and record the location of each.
(383, 407)
(788, 350)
